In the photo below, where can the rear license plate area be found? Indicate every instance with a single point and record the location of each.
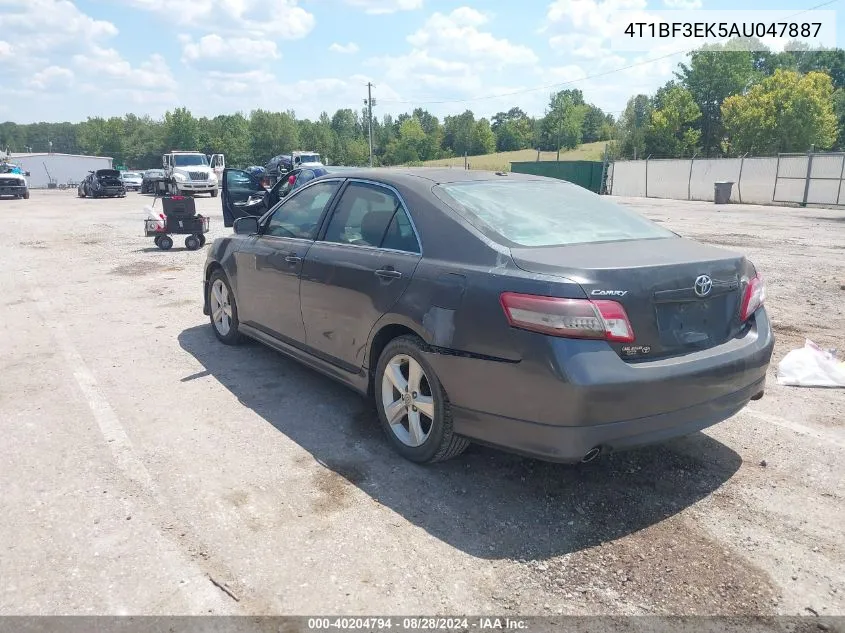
(705, 321)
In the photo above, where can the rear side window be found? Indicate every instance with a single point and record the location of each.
(363, 215)
(400, 234)
(544, 213)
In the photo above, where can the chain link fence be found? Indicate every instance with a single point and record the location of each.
(811, 178)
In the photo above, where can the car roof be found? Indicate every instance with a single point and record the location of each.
(423, 178)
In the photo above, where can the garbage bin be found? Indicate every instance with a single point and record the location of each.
(722, 192)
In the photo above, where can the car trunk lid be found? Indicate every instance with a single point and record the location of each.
(680, 295)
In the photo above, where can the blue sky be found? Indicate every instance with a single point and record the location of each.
(69, 59)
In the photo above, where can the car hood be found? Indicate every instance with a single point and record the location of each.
(18, 177)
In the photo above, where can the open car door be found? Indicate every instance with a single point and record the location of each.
(242, 196)
(218, 165)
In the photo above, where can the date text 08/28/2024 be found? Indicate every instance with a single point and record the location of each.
(417, 624)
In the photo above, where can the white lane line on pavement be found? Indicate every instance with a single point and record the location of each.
(197, 593)
(110, 426)
(827, 438)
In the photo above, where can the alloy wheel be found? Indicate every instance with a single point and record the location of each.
(407, 399)
(221, 307)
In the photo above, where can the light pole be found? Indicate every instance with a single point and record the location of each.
(370, 102)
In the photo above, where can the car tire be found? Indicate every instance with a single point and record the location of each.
(201, 238)
(422, 434)
(25, 195)
(214, 193)
(224, 324)
(165, 242)
(80, 193)
(156, 239)
(192, 243)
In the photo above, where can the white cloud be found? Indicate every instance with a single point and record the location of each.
(281, 19)
(153, 74)
(46, 40)
(377, 7)
(345, 49)
(52, 78)
(682, 4)
(578, 44)
(215, 48)
(457, 36)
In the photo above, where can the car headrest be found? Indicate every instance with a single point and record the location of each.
(373, 226)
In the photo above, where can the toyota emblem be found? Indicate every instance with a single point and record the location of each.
(703, 285)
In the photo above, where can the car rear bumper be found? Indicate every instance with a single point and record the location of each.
(567, 397)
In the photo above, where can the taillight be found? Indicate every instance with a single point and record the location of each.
(573, 318)
(753, 298)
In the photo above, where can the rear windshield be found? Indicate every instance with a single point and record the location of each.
(544, 213)
(108, 173)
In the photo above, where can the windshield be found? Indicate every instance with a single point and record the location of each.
(542, 213)
(131, 174)
(189, 160)
(309, 158)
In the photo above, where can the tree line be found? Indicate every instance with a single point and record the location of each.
(341, 139)
(724, 100)
(740, 98)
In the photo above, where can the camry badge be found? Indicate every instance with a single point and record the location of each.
(609, 293)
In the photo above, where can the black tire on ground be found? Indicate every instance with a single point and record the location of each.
(156, 239)
(192, 243)
(80, 193)
(214, 193)
(201, 238)
(233, 336)
(442, 443)
(165, 242)
(26, 195)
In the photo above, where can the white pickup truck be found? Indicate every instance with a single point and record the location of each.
(192, 172)
(13, 183)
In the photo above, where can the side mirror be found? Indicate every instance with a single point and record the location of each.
(246, 226)
(27, 174)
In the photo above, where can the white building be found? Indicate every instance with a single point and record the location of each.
(62, 168)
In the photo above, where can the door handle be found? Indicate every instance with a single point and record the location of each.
(388, 273)
(293, 259)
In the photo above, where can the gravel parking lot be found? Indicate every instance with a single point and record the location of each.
(147, 469)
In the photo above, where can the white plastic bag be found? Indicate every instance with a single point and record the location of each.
(158, 217)
(811, 366)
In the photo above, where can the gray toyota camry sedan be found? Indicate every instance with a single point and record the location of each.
(518, 311)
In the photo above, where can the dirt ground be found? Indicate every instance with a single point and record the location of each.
(147, 469)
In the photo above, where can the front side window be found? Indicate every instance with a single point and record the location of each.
(544, 213)
(299, 216)
(236, 179)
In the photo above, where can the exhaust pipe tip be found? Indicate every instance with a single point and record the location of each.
(757, 396)
(591, 454)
